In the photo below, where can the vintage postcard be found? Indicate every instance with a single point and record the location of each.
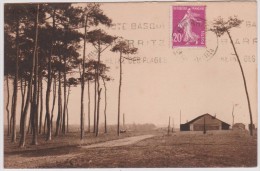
(130, 84)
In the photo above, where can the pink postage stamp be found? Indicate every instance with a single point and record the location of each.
(188, 26)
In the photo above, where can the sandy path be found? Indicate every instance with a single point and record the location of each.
(32, 162)
(119, 142)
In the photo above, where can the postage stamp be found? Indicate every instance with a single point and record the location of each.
(188, 26)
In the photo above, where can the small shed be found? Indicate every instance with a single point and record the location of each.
(208, 121)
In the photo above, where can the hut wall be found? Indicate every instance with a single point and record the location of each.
(211, 123)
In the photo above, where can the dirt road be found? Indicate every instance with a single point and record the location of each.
(119, 142)
(40, 158)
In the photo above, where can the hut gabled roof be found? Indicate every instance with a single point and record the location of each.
(203, 116)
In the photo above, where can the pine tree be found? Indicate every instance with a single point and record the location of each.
(123, 47)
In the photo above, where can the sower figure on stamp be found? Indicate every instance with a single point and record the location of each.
(185, 23)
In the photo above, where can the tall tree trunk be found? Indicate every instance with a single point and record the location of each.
(48, 91)
(67, 111)
(23, 92)
(119, 95)
(22, 105)
(54, 100)
(245, 85)
(98, 105)
(44, 124)
(22, 139)
(105, 109)
(29, 125)
(61, 116)
(82, 113)
(11, 118)
(35, 94)
(65, 98)
(41, 107)
(88, 107)
(95, 101)
(58, 121)
(98, 88)
(25, 89)
(30, 128)
(11, 123)
(31, 117)
(15, 84)
(7, 106)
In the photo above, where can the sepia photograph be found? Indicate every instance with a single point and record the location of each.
(133, 84)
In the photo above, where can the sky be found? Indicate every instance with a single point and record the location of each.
(168, 81)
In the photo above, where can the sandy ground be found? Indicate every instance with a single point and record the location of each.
(34, 162)
(28, 159)
(120, 142)
(150, 149)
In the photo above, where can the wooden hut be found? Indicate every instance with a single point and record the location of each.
(206, 121)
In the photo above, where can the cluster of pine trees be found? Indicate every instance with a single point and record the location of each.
(42, 44)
